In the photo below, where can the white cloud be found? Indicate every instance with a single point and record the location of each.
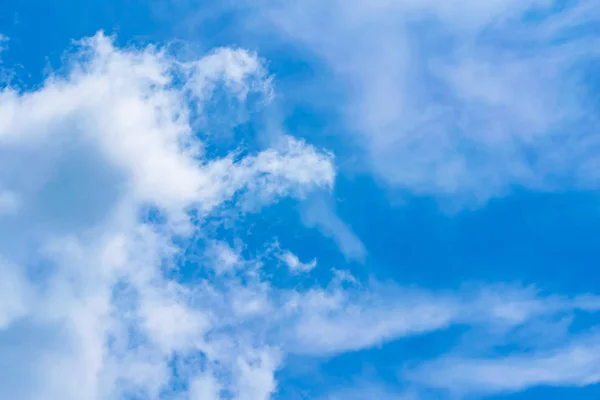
(240, 70)
(294, 264)
(255, 375)
(91, 306)
(223, 258)
(95, 144)
(575, 364)
(205, 387)
(461, 101)
(337, 321)
(317, 213)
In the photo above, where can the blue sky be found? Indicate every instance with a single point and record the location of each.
(322, 200)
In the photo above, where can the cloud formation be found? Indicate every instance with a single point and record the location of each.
(99, 142)
(106, 180)
(461, 102)
(574, 364)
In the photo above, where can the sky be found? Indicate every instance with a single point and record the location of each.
(273, 199)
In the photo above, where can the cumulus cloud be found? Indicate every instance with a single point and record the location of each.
(108, 136)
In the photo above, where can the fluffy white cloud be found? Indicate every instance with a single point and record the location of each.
(110, 135)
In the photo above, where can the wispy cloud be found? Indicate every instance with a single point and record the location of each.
(294, 264)
(319, 213)
(337, 321)
(460, 102)
(573, 364)
(3, 43)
